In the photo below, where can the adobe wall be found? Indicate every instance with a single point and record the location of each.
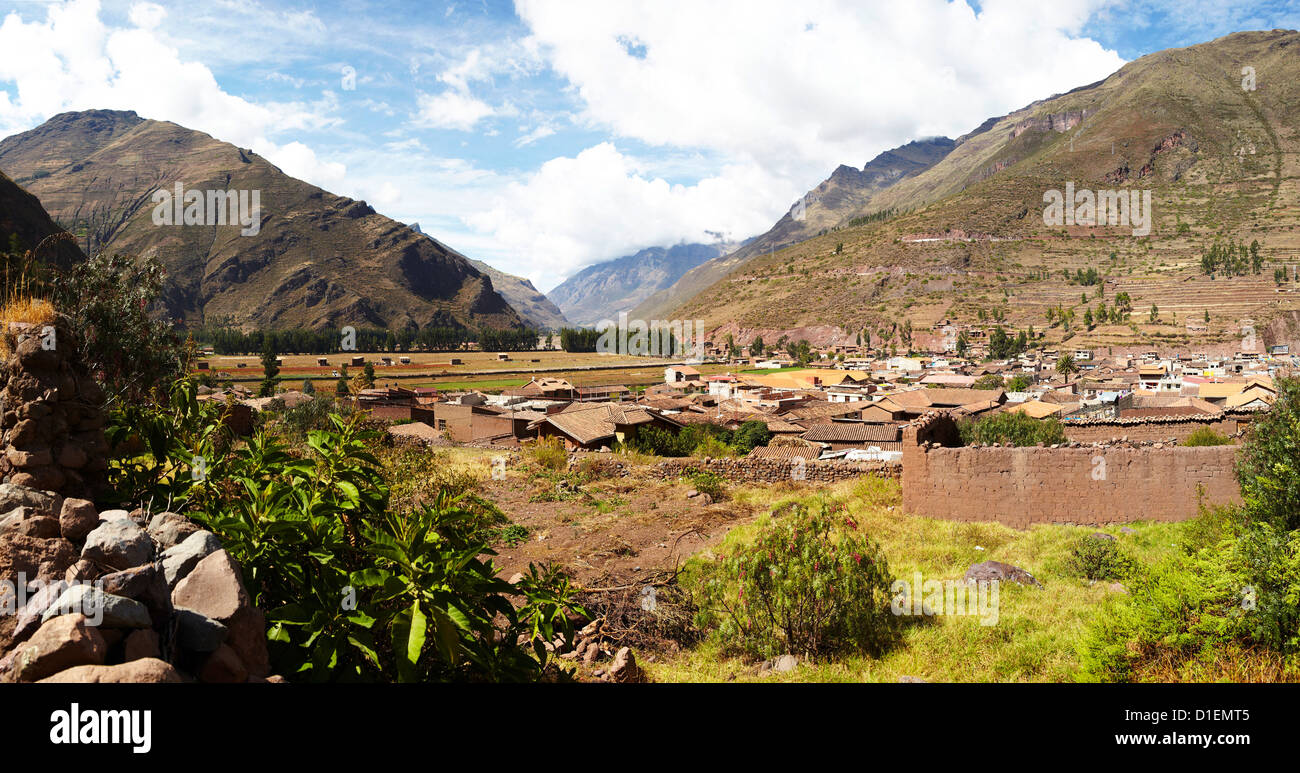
(743, 470)
(1093, 485)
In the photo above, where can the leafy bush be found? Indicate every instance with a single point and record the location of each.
(709, 483)
(1268, 467)
(1016, 428)
(514, 535)
(353, 589)
(1097, 558)
(1204, 436)
(808, 584)
(702, 440)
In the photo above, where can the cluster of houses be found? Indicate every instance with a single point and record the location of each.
(851, 409)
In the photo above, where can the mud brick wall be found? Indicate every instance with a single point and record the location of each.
(1091, 485)
(775, 470)
(1153, 429)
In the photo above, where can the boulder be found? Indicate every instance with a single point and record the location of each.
(111, 611)
(141, 644)
(63, 642)
(118, 543)
(12, 495)
(179, 560)
(223, 666)
(77, 518)
(82, 571)
(129, 582)
(26, 521)
(144, 670)
(170, 529)
(197, 632)
(31, 616)
(35, 558)
(996, 570)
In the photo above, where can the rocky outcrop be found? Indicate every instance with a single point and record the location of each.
(105, 605)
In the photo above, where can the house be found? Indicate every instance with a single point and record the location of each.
(603, 393)
(544, 388)
(674, 374)
(590, 427)
(841, 435)
(468, 422)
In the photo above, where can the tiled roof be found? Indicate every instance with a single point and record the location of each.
(852, 432)
(785, 452)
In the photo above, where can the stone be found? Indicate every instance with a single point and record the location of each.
(64, 642)
(77, 518)
(73, 456)
(213, 588)
(783, 664)
(179, 560)
(141, 644)
(12, 496)
(142, 671)
(170, 529)
(625, 670)
(118, 543)
(247, 637)
(129, 582)
(111, 611)
(1117, 587)
(1127, 530)
(996, 570)
(1100, 535)
(82, 571)
(113, 515)
(198, 633)
(39, 559)
(910, 680)
(30, 616)
(26, 521)
(223, 667)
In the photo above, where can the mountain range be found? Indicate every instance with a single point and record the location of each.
(603, 290)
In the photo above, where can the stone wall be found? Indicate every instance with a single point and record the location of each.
(775, 470)
(50, 413)
(1087, 484)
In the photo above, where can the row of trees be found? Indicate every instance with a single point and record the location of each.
(229, 340)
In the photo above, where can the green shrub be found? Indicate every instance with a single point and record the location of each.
(807, 584)
(1017, 428)
(514, 535)
(1097, 558)
(1268, 467)
(709, 483)
(1204, 436)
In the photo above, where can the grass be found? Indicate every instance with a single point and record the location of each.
(21, 309)
(1036, 633)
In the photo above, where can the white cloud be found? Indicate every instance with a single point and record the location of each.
(451, 110)
(601, 203)
(146, 16)
(776, 102)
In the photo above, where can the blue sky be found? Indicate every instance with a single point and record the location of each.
(545, 135)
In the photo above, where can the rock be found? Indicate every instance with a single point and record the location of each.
(141, 644)
(911, 680)
(82, 571)
(213, 588)
(247, 637)
(103, 609)
(1127, 530)
(197, 632)
(625, 670)
(12, 496)
(26, 521)
(118, 543)
(223, 667)
(144, 670)
(171, 529)
(63, 642)
(31, 616)
(77, 518)
(592, 654)
(115, 515)
(180, 559)
(783, 664)
(996, 570)
(1099, 535)
(516, 578)
(39, 559)
(706, 499)
(1117, 587)
(129, 582)
(692, 494)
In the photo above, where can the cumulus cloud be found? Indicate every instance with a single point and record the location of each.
(601, 203)
(451, 110)
(777, 94)
(71, 60)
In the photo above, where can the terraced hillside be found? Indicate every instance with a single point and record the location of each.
(1221, 162)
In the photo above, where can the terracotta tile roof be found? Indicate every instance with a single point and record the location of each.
(852, 432)
(785, 452)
